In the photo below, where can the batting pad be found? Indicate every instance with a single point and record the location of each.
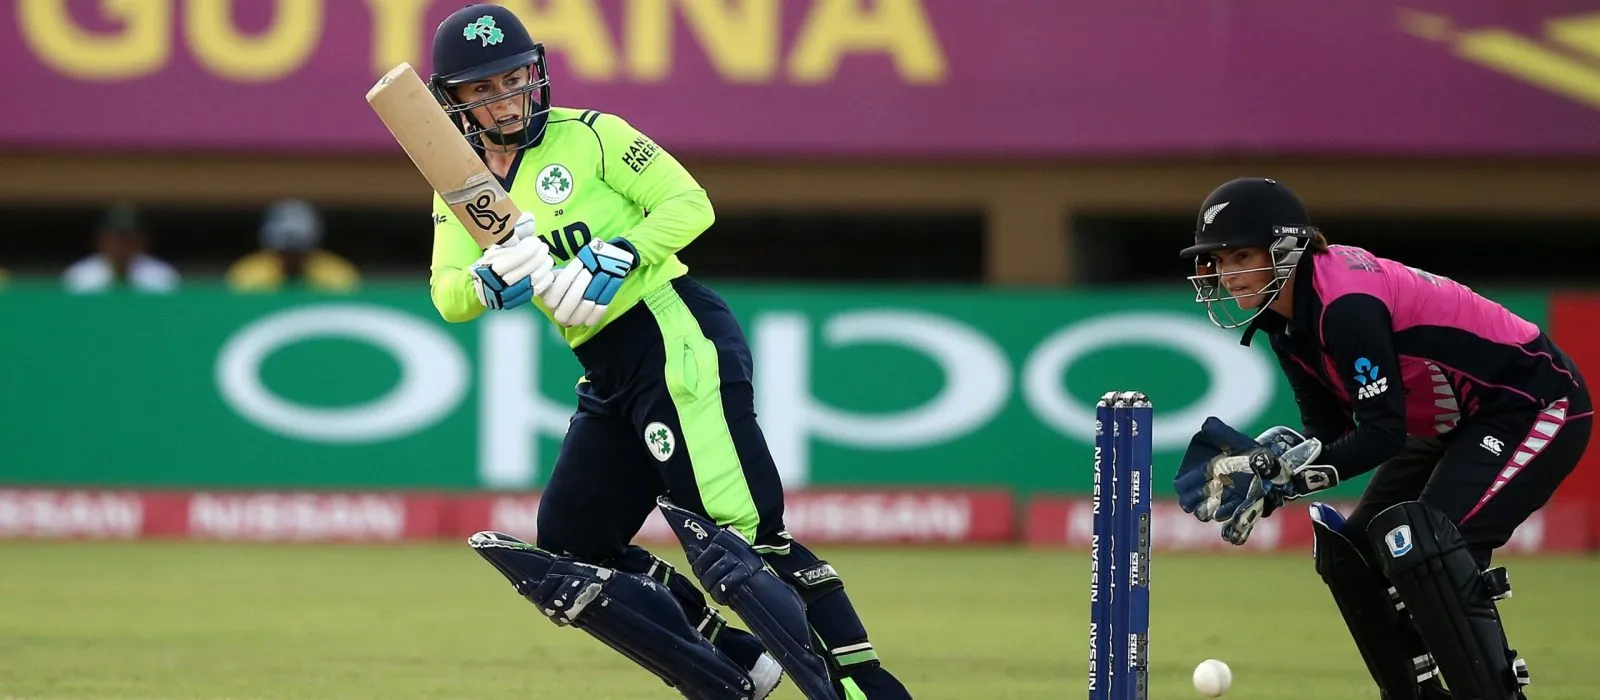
(734, 575)
(630, 613)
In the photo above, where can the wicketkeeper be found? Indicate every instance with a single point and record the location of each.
(1470, 415)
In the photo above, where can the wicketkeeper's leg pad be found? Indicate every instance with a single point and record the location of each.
(1395, 655)
(733, 574)
(631, 613)
(1450, 599)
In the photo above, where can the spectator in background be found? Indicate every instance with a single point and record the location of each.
(120, 260)
(291, 255)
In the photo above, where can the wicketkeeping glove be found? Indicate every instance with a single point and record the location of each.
(509, 274)
(1229, 477)
(1285, 478)
(1292, 476)
(1214, 478)
(585, 286)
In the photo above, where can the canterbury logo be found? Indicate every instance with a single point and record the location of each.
(1211, 214)
(1493, 445)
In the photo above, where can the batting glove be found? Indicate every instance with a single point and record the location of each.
(585, 287)
(510, 274)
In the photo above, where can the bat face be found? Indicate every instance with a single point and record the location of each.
(442, 155)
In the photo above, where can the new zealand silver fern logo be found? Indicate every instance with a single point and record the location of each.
(1211, 213)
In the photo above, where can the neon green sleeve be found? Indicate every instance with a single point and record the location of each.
(454, 251)
(677, 209)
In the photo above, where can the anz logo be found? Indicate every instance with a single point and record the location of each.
(1367, 377)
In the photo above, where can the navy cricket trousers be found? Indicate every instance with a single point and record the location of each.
(666, 406)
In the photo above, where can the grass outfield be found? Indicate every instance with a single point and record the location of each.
(183, 620)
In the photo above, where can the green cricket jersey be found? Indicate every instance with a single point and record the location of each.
(591, 175)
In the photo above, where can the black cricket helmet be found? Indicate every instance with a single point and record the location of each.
(1249, 212)
(479, 43)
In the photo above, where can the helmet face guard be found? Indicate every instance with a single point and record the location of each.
(1247, 212)
(532, 94)
(1289, 243)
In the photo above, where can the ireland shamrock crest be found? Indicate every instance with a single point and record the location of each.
(483, 28)
(658, 437)
(554, 184)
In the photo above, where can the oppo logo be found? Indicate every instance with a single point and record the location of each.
(978, 380)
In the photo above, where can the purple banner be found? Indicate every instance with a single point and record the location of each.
(1019, 78)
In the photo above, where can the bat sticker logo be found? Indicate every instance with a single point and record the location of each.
(484, 217)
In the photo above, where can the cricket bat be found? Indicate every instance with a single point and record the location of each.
(443, 156)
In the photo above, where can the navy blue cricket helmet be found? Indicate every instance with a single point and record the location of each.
(1247, 212)
(481, 43)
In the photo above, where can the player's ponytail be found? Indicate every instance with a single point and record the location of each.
(1318, 244)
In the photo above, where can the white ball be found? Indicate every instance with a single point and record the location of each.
(1212, 678)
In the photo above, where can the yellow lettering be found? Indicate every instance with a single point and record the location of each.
(1579, 32)
(897, 27)
(740, 37)
(396, 26)
(1426, 25)
(649, 40)
(1531, 62)
(574, 27)
(140, 48)
(279, 51)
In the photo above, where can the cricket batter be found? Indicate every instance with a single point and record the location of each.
(665, 408)
(1470, 415)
